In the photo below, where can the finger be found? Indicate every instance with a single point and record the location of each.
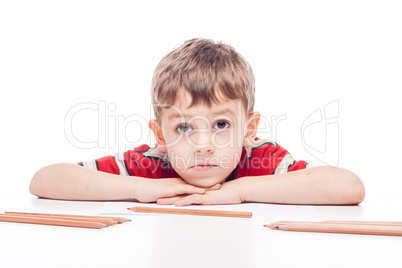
(195, 199)
(168, 200)
(189, 189)
(214, 187)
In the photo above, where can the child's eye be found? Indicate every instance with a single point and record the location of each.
(220, 125)
(184, 128)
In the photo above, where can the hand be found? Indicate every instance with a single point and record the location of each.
(150, 190)
(229, 193)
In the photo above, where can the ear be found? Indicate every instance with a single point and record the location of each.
(251, 129)
(157, 130)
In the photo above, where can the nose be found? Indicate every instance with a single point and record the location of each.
(201, 142)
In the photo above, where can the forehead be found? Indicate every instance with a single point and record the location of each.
(181, 108)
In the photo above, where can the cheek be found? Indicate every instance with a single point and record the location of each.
(235, 154)
(221, 140)
(171, 139)
(179, 154)
(227, 157)
(232, 138)
(178, 143)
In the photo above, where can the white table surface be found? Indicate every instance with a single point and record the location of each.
(162, 240)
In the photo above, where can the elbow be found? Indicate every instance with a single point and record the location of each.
(34, 186)
(41, 181)
(347, 187)
(355, 193)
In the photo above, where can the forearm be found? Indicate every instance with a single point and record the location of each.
(73, 182)
(317, 185)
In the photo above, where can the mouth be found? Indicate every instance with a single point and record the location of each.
(203, 167)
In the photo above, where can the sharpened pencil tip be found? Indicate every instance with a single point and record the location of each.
(107, 225)
(129, 220)
(128, 208)
(270, 225)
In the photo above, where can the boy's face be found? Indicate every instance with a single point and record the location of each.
(204, 144)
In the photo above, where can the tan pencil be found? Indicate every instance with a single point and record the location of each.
(389, 223)
(48, 221)
(382, 223)
(199, 212)
(101, 220)
(118, 219)
(323, 227)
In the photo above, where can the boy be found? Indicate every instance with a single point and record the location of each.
(207, 151)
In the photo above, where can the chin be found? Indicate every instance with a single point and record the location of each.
(203, 183)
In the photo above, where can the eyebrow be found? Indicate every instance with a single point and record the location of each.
(224, 111)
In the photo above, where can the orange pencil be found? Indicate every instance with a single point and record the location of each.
(118, 219)
(382, 223)
(101, 220)
(199, 212)
(389, 223)
(324, 227)
(49, 221)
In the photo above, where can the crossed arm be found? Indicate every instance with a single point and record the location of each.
(317, 185)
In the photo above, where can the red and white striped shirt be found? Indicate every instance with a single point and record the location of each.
(262, 158)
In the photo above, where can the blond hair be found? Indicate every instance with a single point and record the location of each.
(205, 69)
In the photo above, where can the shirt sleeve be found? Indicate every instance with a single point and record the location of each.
(142, 161)
(113, 164)
(275, 159)
(288, 164)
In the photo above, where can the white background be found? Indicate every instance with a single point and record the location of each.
(305, 55)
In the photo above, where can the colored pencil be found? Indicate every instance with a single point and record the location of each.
(325, 227)
(199, 212)
(118, 219)
(100, 220)
(49, 221)
(389, 223)
(382, 223)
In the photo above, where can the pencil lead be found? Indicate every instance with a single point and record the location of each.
(107, 225)
(129, 220)
(128, 208)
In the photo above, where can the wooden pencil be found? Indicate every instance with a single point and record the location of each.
(199, 212)
(389, 223)
(118, 219)
(382, 223)
(49, 221)
(101, 220)
(324, 227)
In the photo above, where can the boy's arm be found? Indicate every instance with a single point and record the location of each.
(73, 182)
(315, 186)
